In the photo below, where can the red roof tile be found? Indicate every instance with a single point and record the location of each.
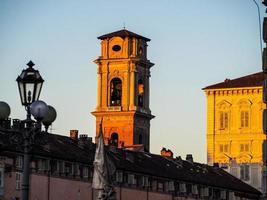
(123, 33)
(252, 80)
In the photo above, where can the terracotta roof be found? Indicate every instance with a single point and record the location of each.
(252, 80)
(123, 33)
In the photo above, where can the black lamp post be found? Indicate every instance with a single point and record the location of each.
(30, 84)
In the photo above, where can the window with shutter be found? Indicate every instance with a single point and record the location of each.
(18, 180)
(244, 172)
(1, 177)
(224, 120)
(244, 119)
(182, 187)
(119, 177)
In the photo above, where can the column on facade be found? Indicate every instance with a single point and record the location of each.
(147, 90)
(99, 88)
(132, 86)
(104, 89)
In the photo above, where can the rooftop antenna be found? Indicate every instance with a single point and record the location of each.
(124, 25)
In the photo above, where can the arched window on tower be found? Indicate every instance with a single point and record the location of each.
(115, 92)
(141, 90)
(114, 140)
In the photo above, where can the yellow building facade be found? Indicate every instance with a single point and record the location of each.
(123, 73)
(235, 137)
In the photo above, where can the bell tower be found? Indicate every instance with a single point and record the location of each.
(123, 72)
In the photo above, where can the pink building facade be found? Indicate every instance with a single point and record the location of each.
(62, 168)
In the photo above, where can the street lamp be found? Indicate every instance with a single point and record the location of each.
(30, 84)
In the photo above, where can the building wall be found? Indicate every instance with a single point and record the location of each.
(52, 188)
(234, 132)
(1, 179)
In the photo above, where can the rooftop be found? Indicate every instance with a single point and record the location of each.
(123, 33)
(64, 148)
(252, 80)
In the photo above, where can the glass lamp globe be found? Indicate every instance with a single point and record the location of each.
(50, 116)
(38, 109)
(4, 110)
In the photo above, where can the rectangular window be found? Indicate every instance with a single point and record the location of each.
(244, 172)
(85, 172)
(244, 147)
(244, 119)
(43, 165)
(154, 185)
(1, 177)
(224, 120)
(18, 180)
(131, 179)
(241, 147)
(61, 167)
(19, 162)
(223, 148)
(182, 187)
(119, 177)
(68, 168)
(160, 186)
(171, 186)
(76, 169)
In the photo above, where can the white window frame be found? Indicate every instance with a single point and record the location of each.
(19, 162)
(182, 187)
(18, 180)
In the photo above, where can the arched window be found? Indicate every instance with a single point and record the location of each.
(114, 139)
(115, 92)
(140, 139)
(141, 90)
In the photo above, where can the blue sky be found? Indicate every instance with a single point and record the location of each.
(193, 44)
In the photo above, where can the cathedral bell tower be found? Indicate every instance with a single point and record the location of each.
(123, 73)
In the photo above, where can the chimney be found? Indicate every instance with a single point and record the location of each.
(16, 124)
(83, 137)
(74, 134)
(216, 165)
(6, 123)
(84, 140)
(189, 158)
(166, 153)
